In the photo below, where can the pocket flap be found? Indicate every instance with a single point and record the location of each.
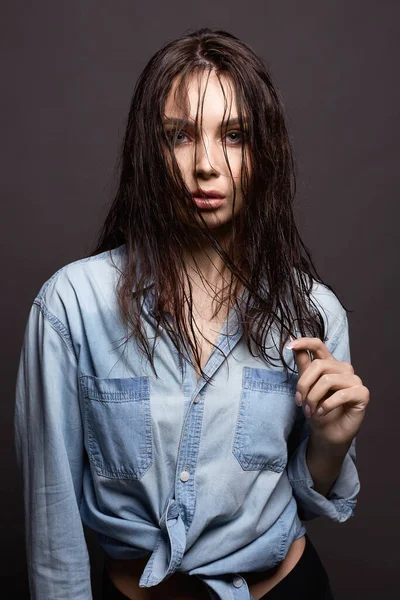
(116, 390)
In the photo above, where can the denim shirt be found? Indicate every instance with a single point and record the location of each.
(205, 478)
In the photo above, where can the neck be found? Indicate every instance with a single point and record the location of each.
(203, 262)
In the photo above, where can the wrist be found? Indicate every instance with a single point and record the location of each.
(326, 448)
(324, 462)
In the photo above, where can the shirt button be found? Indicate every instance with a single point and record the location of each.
(184, 476)
(238, 582)
(197, 399)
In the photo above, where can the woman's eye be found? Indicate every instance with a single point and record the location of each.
(237, 136)
(175, 135)
(180, 133)
(234, 137)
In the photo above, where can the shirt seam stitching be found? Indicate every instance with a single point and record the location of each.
(57, 325)
(337, 333)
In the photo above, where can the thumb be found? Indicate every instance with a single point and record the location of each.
(301, 358)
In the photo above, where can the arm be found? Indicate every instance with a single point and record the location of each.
(49, 449)
(325, 480)
(324, 464)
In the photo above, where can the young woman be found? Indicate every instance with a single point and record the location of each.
(157, 401)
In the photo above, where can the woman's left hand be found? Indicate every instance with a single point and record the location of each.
(332, 386)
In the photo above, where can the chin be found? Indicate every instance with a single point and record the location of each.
(216, 224)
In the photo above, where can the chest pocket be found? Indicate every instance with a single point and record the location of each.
(118, 422)
(267, 412)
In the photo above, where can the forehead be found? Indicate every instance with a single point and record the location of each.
(218, 91)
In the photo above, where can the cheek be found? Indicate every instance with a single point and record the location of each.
(178, 155)
(235, 161)
(184, 162)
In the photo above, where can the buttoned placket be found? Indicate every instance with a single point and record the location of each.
(232, 586)
(185, 493)
(179, 512)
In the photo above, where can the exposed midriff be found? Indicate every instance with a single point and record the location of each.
(125, 575)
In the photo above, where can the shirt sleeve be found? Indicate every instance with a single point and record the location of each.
(49, 449)
(340, 503)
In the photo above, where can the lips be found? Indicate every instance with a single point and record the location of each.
(207, 194)
(208, 203)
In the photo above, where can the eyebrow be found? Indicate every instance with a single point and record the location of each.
(177, 121)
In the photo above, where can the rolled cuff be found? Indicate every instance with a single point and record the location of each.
(340, 504)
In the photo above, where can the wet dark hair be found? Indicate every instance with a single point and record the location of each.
(266, 255)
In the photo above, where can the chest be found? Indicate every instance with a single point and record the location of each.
(135, 420)
(205, 331)
(206, 344)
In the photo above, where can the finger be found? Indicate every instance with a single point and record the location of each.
(326, 385)
(302, 359)
(357, 397)
(317, 370)
(314, 345)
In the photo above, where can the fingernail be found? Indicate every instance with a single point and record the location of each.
(307, 411)
(291, 344)
(298, 399)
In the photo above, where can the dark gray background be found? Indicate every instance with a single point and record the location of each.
(68, 72)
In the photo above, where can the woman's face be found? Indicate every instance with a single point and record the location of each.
(211, 168)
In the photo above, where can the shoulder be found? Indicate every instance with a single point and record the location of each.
(326, 301)
(85, 281)
(333, 313)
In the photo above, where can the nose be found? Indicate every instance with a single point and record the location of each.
(207, 157)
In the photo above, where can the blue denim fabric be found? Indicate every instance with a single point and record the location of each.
(206, 478)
